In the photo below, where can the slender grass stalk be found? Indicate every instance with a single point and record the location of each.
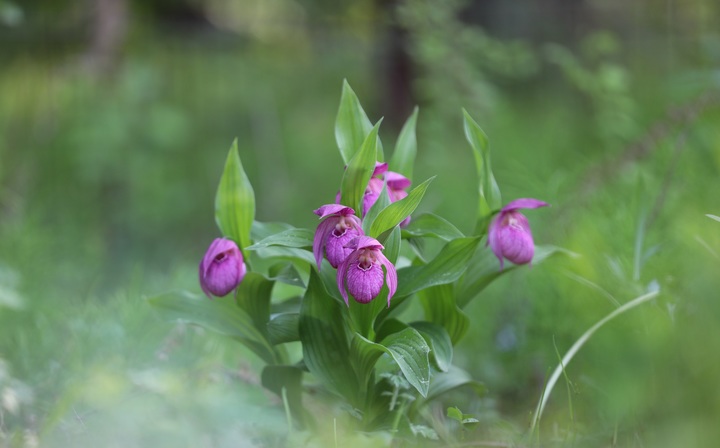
(577, 345)
(286, 405)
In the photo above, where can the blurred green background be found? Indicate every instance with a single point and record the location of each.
(115, 119)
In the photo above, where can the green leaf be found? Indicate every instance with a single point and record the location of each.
(221, 315)
(253, 296)
(485, 268)
(454, 378)
(396, 212)
(439, 341)
(324, 343)
(284, 328)
(403, 157)
(431, 225)
(407, 348)
(392, 245)
(359, 171)
(286, 273)
(410, 352)
(262, 230)
(287, 238)
(235, 200)
(487, 186)
(286, 253)
(380, 204)
(439, 305)
(446, 267)
(352, 125)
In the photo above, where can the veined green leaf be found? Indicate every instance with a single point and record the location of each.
(396, 212)
(359, 171)
(253, 296)
(220, 315)
(446, 267)
(262, 230)
(439, 305)
(284, 328)
(454, 378)
(380, 204)
(441, 349)
(235, 200)
(407, 348)
(403, 157)
(392, 245)
(485, 268)
(487, 186)
(324, 343)
(286, 253)
(431, 225)
(287, 238)
(352, 125)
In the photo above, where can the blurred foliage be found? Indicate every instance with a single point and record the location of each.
(107, 178)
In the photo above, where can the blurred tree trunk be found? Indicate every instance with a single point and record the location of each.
(396, 68)
(109, 29)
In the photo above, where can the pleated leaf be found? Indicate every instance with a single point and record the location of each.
(403, 157)
(221, 315)
(359, 171)
(352, 125)
(441, 348)
(407, 348)
(485, 268)
(396, 212)
(429, 225)
(324, 343)
(439, 305)
(235, 200)
(287, 238)
(446, 267)
(489, 192)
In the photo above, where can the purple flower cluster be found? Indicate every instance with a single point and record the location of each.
(357, 258)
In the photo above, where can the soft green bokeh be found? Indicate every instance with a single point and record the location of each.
(107, 183)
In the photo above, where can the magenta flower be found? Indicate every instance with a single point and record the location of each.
(222, 268)
(361, 273)
(509, 235)
(331, 236)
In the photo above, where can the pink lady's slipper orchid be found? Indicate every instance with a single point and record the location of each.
(509, 235)
(222, 268)
(340, 227)
(361, 273)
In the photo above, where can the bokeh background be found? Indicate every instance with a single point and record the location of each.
(115, 119)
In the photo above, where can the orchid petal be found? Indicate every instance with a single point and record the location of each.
(364, 284)
(391, 276)
(341, 272)
(397, 181)
(366, 242)
(334, 209)
(335, 248)
(321, 233)
(380, 168)
(524, 203)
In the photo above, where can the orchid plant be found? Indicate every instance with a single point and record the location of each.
(379, 369)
